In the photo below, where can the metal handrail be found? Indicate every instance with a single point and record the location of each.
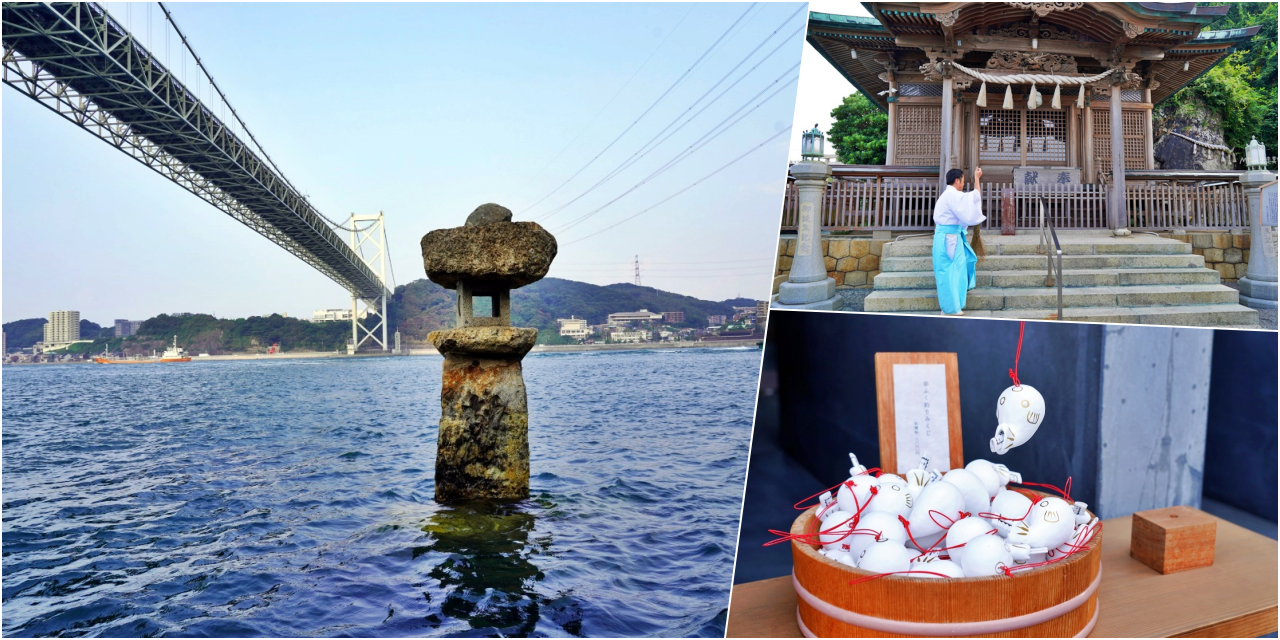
(1049, 281)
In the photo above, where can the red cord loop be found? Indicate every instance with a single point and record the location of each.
(1013, 373)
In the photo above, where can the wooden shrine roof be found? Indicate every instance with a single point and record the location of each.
(1159, 37)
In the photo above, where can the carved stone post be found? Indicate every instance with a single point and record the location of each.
(809, 286)
(1258, 288)
(1118, 216)
(483, 446)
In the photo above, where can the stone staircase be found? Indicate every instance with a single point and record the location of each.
(1140, 279)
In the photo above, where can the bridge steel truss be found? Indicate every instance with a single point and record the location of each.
(77, 61)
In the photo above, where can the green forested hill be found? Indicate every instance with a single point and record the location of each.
(417, 309)
(422, 306)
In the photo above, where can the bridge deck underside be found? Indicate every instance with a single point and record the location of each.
(74, 59)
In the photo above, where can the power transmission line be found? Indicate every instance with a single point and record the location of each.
(650, 145)
(695, 183)
(698, 144)
(582, 130)
(646, 111)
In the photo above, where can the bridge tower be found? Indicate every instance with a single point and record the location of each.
(373, 235)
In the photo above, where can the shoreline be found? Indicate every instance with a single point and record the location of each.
(430, 351)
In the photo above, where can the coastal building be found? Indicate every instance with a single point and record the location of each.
(762, 310)
(331, 315)
(715, 321)
(574, 327)
(126, 328)
(642, 316)
(629, 336)
(62, 329)
(673, 317)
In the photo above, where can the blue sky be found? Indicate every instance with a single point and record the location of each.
(422, 112)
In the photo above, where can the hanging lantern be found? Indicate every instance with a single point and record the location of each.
(1008, 97)
(1057, 96)
(812, 144)
(982, 95)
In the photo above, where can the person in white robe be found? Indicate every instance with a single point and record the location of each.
(954, 261)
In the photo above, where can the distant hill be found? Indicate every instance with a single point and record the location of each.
(422, 306)
(21, 334)
(417, 308)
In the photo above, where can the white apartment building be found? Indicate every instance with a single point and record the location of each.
(62, 329)
(331, 315)
(573, 327)
(629, 336)
(627, 317)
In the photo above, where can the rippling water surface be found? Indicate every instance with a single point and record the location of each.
(294, 497)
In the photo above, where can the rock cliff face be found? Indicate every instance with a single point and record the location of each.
(1195, 121)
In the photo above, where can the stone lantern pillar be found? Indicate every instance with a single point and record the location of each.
(808, 286)
(483, 447)
(1258, 286)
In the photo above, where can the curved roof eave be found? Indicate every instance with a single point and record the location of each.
(822, 52)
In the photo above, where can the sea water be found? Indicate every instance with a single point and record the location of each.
(294, 498)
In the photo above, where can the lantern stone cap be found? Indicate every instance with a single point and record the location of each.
(490, 342)
(488, 214)
(810, 171)
(498, 253)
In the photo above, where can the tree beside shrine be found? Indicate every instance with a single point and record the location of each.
(860, 133)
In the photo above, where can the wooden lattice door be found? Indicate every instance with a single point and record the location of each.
(1134, 123)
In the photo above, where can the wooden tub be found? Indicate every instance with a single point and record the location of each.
(1058, 600)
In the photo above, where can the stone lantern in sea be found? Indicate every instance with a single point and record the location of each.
(483, 445)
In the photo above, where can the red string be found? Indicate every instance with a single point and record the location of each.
(1071, 549)
(1065, 492)
(814, 538)
(1013, 373)
(948, 549)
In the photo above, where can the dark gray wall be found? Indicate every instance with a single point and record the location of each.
(1240, 442)
(827, 389)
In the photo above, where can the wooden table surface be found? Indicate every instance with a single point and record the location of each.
(1236, 597)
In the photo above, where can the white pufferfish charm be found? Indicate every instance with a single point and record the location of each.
(1019, 412)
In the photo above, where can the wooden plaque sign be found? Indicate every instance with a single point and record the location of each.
(918, 402)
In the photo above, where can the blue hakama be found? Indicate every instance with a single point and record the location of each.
(954, 273)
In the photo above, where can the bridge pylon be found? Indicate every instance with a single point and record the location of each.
(368, 231)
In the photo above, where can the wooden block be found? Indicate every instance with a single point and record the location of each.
(1173, 539)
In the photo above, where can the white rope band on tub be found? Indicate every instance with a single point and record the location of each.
(1084, 633)
(949, 629)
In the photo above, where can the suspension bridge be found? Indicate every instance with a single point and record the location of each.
(80, 62)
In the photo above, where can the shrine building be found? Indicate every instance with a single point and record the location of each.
(1035, 93)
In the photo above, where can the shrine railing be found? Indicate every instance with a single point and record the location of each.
(902, 199)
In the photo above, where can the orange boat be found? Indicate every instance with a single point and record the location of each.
(172, 354)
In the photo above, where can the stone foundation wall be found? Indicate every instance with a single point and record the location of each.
(853, 262)
(1227, 252)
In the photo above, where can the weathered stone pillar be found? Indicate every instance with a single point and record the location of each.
(483, 446)
(1258, 287)
(1118, 214)
(809, 286)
